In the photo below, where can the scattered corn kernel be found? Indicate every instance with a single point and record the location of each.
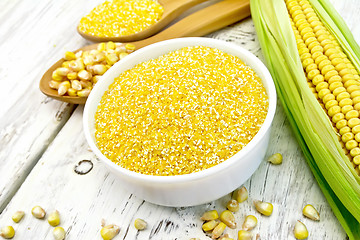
(66, 64)
(86, 84)
(173, 115)
(38, 212)
(56, 76)
(84, 75)
(209, 225)
(110, 45)
(218, 230)
(121, 17)
(79, 54)
(72, 76)
(130, 46)
(101, 46)
(89, 60)
(69, 56)
(17, 216)
(228, 218)
(210, 215)
(111, 58)
(99, 57)
(62, 71)
(264, 208)
(54, 218)
(310, 212)
(59, 233)
(275, 159)
(140, 224)
(72, 92)
(84, 92)
(300, 231)
(109, 232)
(122, 55)
(77, 65)
(250, 223)
(75, 84)
(99, 69)
(241, 194)
(7, 232)
(233, 205)
(63, 87)
(244, 235)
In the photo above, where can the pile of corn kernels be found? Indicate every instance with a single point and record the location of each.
(82, 70)
(183, 112)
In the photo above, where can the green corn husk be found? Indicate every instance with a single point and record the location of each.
(314, 131)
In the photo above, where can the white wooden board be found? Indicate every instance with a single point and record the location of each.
(38, 33)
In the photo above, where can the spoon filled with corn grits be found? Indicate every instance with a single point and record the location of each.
(71, 78)
(131, 20)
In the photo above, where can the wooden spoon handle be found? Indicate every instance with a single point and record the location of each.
(178, 6)
(172, 9)
(203, 22)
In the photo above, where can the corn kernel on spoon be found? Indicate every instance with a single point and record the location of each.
(171, 10)
(199, 23)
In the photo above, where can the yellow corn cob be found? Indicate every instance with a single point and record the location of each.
(311, 52)
(330, 75)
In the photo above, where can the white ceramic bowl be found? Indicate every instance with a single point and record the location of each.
(200, 187)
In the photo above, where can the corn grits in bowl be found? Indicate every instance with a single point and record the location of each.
(177, 119)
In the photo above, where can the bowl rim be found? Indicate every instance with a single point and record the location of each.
(191, 41)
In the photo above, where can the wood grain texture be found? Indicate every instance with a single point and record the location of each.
(28, 123)
(29, 120)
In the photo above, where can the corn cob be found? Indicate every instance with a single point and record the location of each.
(315, 64)
(333, 77)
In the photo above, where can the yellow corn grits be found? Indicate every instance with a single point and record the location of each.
(121, 17)
(180, 113)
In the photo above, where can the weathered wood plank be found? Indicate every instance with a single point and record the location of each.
(29, 120)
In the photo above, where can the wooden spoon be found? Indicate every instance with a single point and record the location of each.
(172, 9)
(200, 23)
